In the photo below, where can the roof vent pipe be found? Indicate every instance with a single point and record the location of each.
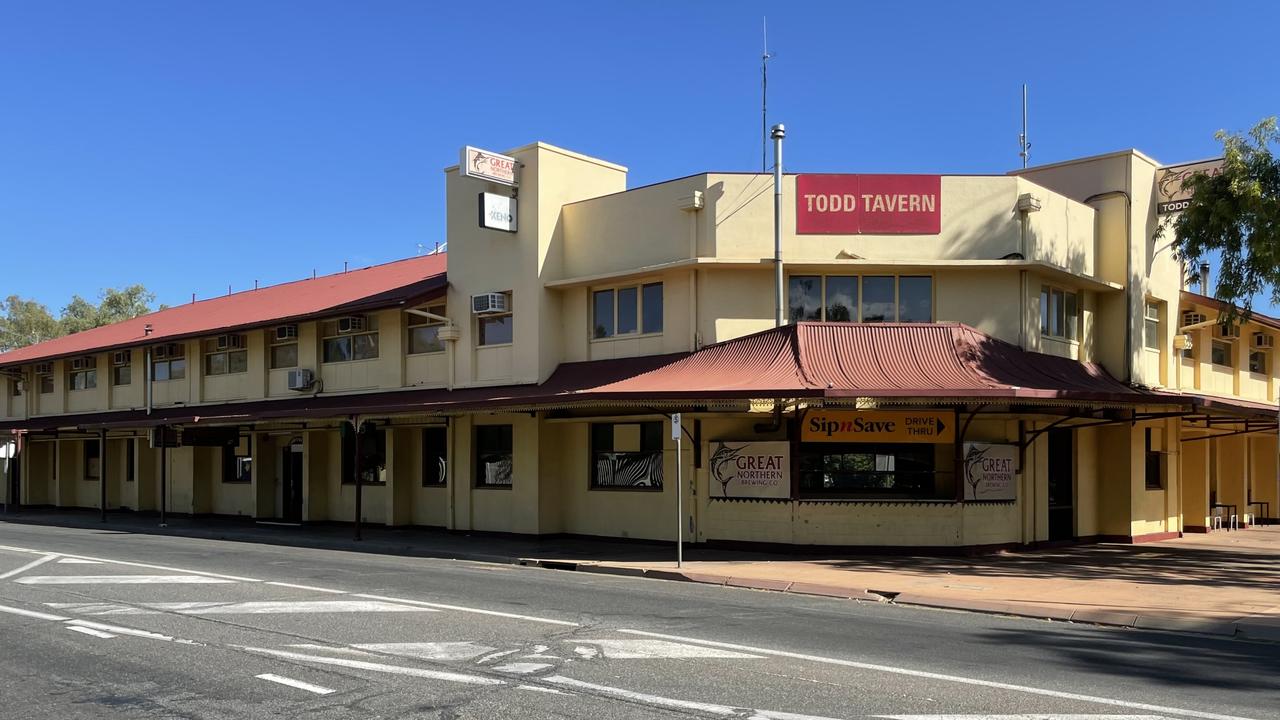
(146, 330)
(1204, 278)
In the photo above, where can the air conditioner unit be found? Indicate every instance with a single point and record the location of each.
(351, 324)
(44, 368)
(121, 357)
(1263, 341)
(1183, 342)
(286, 332)
(1191, 317)
(301, 379)
(489, 304)
(1226, 332)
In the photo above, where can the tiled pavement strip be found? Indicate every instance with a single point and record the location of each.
(1225, 583)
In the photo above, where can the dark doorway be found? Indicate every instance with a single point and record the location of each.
(15, 483)
(1061, 485)
(292, 484)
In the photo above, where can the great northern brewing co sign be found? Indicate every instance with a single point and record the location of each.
(867, 426)
(490, 166)
(868, 204)
(1171, 195)
(989, 471)
(751, 469)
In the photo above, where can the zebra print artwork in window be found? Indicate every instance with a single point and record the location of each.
(497, 471)
(629, 470)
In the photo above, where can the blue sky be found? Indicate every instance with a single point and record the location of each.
(191, 146)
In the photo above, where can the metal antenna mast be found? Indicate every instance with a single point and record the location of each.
(1023, 143)
(764, 98)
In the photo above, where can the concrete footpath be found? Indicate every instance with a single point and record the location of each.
(1224, 583)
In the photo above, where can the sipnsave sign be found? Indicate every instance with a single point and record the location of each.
(990, 471)
(751, 469)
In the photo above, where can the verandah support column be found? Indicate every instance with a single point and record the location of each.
(355, 424)
(102, 474)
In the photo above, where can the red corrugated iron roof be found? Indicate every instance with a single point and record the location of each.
(365, 289)
(1224, 307)
(876, 360)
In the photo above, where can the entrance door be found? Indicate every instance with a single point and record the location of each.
(292, 485)
(1061, 485)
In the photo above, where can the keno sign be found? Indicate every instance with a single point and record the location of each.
(485, 165)
(990, 471)
(751, 469)
(868, 204)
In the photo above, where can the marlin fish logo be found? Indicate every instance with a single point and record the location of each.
(972, 460)
(720, 460)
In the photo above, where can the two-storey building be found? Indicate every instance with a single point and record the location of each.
(966, 361)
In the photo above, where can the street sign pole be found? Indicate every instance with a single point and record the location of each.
(675, 435)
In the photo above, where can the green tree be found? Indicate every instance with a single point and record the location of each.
(1237, 215)
(114, 306)
(25, 322)
(78, 315)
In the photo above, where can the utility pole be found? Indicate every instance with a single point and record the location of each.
(1024, 144)
(780, 308)
(764, 99)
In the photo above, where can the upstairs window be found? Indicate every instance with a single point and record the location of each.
(169, 362)
(347, 339)
(1059, 313)
(225, 355)
(424, 332)
(626, 456)
(1258, 361)
(1220, 353)
(496, 328)
(82, 374)
(626, 311)
(15, 388)
(121, 368)
(1151, 326)
(860, 298)
(283, 347)
(45, 381)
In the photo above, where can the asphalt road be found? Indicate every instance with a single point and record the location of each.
(107, 624)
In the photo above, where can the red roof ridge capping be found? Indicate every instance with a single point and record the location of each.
(817, 359)
(383, 285)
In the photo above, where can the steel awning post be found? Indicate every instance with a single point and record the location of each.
(102, 474)
(164, 471)
(355, 424)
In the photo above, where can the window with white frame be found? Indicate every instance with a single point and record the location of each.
(1258, 361)
(121, 368)
(1151, 325)
(83, 374)
(496, 328)
(338, 346)
(282, 353)
(45, 382)
(1220, 353)
(860, 298)
(1059, 313)
(225, 355)
(621, 311)
(424, 332)
(169, 362)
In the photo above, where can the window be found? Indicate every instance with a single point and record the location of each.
(858, 470)
(495, 329)
(1059, 313)
(626, 455)
(1151, 326)
(92, 460)
(121, 368)
(130, 460)
(345, 347)
(1258, 361)
(282, 353)
(435, 456)
(626, 311)
(853, 298)
(1220, 353)
(493, 456)
(226, 361)
(373, 454)
(237, 462)
(46, 383)
(15, 387)
(1154, 458)
(82, 380)
(173, 366)
(424, 332)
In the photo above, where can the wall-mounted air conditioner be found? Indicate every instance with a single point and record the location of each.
(121, 357)
(351, 324)
(1226, 332)
(1183, 342)
(44, 368)
(1191, 317)
(301, 379)
(1263, 341)
(286, 332)
(489, 304)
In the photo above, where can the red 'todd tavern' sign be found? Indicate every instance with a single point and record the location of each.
(868, 204)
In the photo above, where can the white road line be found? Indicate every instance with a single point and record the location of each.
(1023, 716)
(90, 631)
(120, 580)
(429, 650)
(133, 564)
(379, 667)
(122, 630)
(78, 561)
(522, 668)
(666, 702)
(295, 683)
(495, 656)
(251, 607)
(305, 587)
(478, 611)
(34, 563)
(645, 649)
(535, 688)
(1044, 692)
(31, 613)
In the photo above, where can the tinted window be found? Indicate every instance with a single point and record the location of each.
(842, 299)
(602, 314)
(877, 299)
(628, 312)
(915, 299)
(651, 297)
(804, 298)
(495, 330)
